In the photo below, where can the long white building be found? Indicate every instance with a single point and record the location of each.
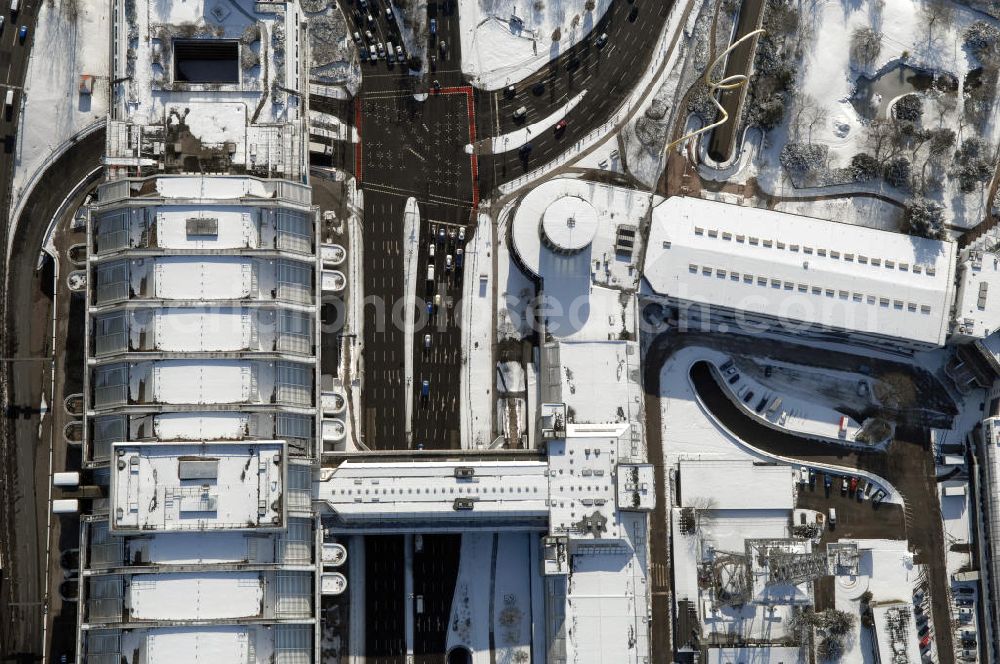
(202, 376)
(728, 267)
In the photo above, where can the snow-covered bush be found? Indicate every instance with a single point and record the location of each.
(866, 44)
(897, 172)
(982, 38)
(864, 167)
(909, 108)
(924, 218)
(973, 163)
(802, 158)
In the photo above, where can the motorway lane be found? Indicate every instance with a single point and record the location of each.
(384, 609)
(26, 337)
(608, 74)
(435, 572)
(22, 492)
(412, 148)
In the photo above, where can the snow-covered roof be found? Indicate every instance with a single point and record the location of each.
(800, 270)
(735, 485)
(210, 644)
(896, 632)
(977, 304)
(207, 486)
(755, 655)
(597, 380)
(434, 491)
(582, 489)
(201, 596)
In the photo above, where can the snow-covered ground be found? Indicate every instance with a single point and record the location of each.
(411, 248)
(691, 432)
(886, 569)
(504, 41)
(477, 337)
(826, 82)
(520, 137)
(70, 40)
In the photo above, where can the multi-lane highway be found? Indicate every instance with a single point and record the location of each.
(413, 139)
(23, 514)
(607, 73)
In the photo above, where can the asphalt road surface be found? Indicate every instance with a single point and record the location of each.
(23, 507)
(435, 571)
(412, 146)
(384, 597)
(608, 74)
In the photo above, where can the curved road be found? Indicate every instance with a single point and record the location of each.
(26, 333)
(908, 465)
(609, 74)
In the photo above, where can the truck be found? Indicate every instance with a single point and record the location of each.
(320, 148)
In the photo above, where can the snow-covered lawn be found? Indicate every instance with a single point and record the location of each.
(503, 41)
(822, 112)
(70, 40)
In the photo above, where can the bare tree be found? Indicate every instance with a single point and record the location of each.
(936, 13)
(808, 115)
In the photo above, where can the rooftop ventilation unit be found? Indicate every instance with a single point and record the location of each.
(203, 226)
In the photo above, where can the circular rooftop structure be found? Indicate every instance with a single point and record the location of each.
(569, 224)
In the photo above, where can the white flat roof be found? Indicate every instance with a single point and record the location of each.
(977, 304)
(202, 382)
(237, 228)
(214, 187)
(755, 655)
(200, 426)
(801, 270)
(896, 632)
(428, 490)
(197, 486)
(201, 329)
(735, 485)
(201, 596)
(582, 482)
(203, 277)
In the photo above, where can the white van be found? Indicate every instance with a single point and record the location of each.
(833, 517)
(430, 273)
(14, 6)
(9, 100)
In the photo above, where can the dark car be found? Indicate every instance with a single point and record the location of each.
(525, 149)
(538, 88)
(749, 397)
(633, 13)
(733, 379)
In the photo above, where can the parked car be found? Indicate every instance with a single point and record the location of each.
(461, 233)
(427, 341)
(827, 480)
(734, 379)
(601, 40)
(22, 34)
(749, 397)
(878, 497)
(560, 126)
(844, 484)
(434, 26)
(425, 389)
(854, 484)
